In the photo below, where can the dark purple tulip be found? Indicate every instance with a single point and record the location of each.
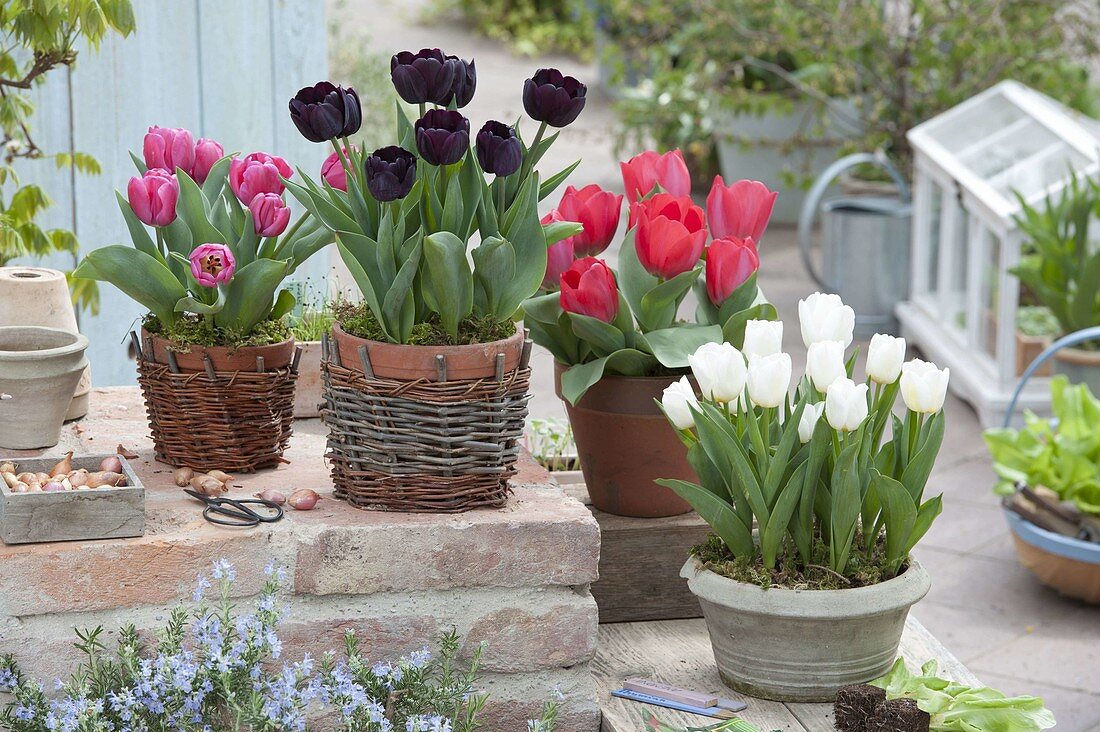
(498, 149)
(465, 82)
(550, 97)
(442, 136)
(324, 111)
(425, 76)
(391, 172)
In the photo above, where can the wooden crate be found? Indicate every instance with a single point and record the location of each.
(99, 513)
(640, 560)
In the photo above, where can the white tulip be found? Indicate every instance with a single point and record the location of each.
(763, 338)
(678, 399)
(769, 379)
(846, 405)
(810, 416)
(825, 363)
(825, 317)
(923, 386)
(720, 370)
(884, 358)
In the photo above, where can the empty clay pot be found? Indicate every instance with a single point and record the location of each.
(39, 370)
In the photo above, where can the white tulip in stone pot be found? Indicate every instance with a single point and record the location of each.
(39, 371)
(803, 645)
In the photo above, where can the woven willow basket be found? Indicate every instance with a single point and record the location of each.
(236, 421)
(423, 445)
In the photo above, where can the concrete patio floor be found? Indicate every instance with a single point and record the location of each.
(1013, 633)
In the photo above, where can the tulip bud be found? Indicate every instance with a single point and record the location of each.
(923, 386)
(498, 149)
(884, 358)
(442, 136)
(649, 169)
(270, 214)
(720, 370)
(207, 152)
(391, 173)
(808, 422)
(762, 338)
(153, 197)
(588, 288)
(730, 262)
(846, 405)
(169, 148)
(326, 111)
(825, 363)
(558, 257)
(769, 378)
(553, 98)
(669, 234)
(825, 317)
(598, 211)
(333, 171)
(257, 172)
(465, 82)
(678, 399)
(212, 264)
(425, 76)
(741, 209)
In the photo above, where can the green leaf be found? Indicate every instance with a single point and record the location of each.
(140, 276)
(551, 184)
(284, 303)
(217, 179)
(323, 207)
(543, 308)
(399, 305)
(718, 514)
(773, 533)
(193, 209)
(898, 513)
(604, 338)
(845, 504)
(627, 362)
(363, 281)
(926, 514)
(915, 475)
(658, 306)
(449, 283)
(733, 330)
(250, 295)
(191, 305)
(453, 209)
(672, 346)
(555, 231)
(138, 233)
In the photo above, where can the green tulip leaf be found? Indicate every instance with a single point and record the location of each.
(899, 514)
(604, 338)
(193, 208)
(718, 514)
(284, 303)
(494, 270)
(448, 281)
(672, 346)
(627, 362)
(551, 184)
(250, 295)
(140, 276)
(399, 305)
(138, 233)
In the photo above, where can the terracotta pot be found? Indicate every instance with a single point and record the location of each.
(625, 443)
(396, 361)
(275, 355)
(1070, 566)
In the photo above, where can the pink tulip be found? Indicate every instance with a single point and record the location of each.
(257, 173)
(169, 148)
(730, 262)
(207, 152)
(648, 169)
(595, 209)
(212, 264)
(588, 288)
(270, 214)
(559, 256)
(741, 209)
(153, 197)
(333, 171)
(669, 234)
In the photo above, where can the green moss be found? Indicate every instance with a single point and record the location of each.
(191, 330)
(789, 572)
(358, 320)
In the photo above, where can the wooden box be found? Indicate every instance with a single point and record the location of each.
(640, 561)
(99, 513)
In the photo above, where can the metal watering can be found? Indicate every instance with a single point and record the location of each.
(865, 245)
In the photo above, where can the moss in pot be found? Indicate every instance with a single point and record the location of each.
(833, 483)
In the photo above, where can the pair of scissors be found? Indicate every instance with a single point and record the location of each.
(236, 512)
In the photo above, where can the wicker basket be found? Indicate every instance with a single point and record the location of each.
(424, 445)
(236, 421)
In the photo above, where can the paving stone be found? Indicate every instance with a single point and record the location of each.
(963, 526)
(966, 633)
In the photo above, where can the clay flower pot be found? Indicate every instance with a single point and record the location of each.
(275, 355)
(39, 370)
(625, 443)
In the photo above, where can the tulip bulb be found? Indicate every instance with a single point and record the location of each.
(219, 475)
(107, 478)
(27, 478)
(78, 478)
(20, 487)
(183, 476)
(53, 486)
(271, 495)
(303, 499)
(64, 467)
(112, 463)
(208, 486)
(9, 476)
(7, 467)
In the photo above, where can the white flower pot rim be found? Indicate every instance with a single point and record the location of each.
(75, 343)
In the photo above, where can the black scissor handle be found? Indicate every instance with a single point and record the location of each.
(236, 511)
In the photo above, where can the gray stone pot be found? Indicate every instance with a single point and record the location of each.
(39, 371)
(802, 645)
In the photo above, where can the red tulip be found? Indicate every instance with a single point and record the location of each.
(257, 173)
(558, 257)
(730, 262)
(169, 148)
(741, 209)
(646, 170)
(207, 152)
(269, 214)
(588, 288)
(669, 234)
(153, 197)
(598, 211)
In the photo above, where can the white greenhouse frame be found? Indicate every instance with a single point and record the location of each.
(963, 300)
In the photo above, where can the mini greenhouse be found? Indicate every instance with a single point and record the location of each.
(970, 164)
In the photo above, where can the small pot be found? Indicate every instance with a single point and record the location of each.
(625, 444)
(1028, 349)
(275, 355)
(307, 392)
(409, 363)
(1079, 366)
(803, 645)
(39, 370)
(1066, 564)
